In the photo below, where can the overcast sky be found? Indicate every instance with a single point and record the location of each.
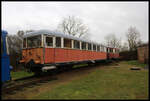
(102, 18)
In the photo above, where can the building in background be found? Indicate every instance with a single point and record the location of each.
(143, 53)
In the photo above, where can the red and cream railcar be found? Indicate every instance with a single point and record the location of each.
(112, 53)
(46, 49)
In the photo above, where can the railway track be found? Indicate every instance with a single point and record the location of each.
(19, 84)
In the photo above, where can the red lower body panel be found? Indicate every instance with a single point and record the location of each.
(58, 55)
(113, 55)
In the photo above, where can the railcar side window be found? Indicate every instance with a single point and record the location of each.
(94, 47)
(24, 43)
(34, 41)
(111, 50)
(117, 50)
(98, 48)
(49, 41)
(84, 45)
(67, 43)
(89, 46)
(76, 44)
(58, 41)
(102, 48)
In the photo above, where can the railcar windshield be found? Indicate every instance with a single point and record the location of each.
(24, 42)
(33, 42)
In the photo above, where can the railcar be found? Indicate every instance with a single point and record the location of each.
(44, 50)
(112, 53)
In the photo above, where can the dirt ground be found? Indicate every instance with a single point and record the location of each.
(62, 78)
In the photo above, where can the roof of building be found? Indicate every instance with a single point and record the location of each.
(143, 45)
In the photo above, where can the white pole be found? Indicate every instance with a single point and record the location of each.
(80, 45)
(54, 42)
(72, 42)
(62, 42)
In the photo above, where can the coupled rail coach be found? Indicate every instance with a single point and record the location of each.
(45, 50)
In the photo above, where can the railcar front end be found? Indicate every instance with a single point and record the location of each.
(112, 53)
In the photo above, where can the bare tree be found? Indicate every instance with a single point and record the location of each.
(27, 31)
(124, 47)
(133, 38)
(73, 26)
(112, 41)
(15, 46)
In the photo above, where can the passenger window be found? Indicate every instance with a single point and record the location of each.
(89, 46)
(117, 50)
(83, 45)
(49, 41)
(76, 44)
(110, 50)
(24, 43)
(94, 47)
(67, 43)
(107, 49)
(98, 48)
(58, 41)
(102, 48)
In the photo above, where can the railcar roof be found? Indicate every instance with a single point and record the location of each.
(112, 47)
(59, 34)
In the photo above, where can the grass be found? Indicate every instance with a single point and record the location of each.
(105, 83)
(136, 63)
(80, 65)
(20, 74)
